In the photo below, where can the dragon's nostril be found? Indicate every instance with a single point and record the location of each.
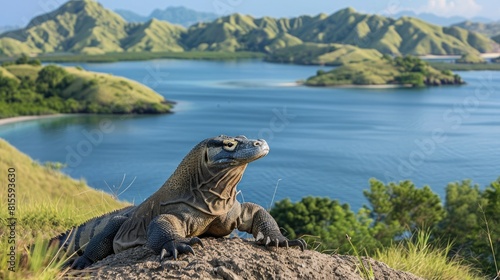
(257, 143)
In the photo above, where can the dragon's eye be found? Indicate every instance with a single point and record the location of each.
(230, 144)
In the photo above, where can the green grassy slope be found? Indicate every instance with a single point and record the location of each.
(7, 74)
(154, 36)
(47, 203)
(87, 27)
(77, 26)
(323, 54)
(109, 89)
(23, 70)
(403, 36)
(80, 92)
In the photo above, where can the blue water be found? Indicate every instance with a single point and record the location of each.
(324, 141)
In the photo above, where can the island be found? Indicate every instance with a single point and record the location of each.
(385, 71)
(28, 88)
(470, 58)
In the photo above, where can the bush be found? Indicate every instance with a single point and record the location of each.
(466, 227)
(52, 80)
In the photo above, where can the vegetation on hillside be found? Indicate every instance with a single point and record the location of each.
(470, 58)
(30, 89)
(46, 203)
(87, 27)
(323, 54)
(385, 71)
(395, 210)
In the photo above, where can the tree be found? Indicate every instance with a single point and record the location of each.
(414, 79)
(8, 89)
(463, 216)
(52, 80)
(23, 59)
(324, 223)
(491, 222)
(400, 207)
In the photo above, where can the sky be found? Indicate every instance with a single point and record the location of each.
(18, 13)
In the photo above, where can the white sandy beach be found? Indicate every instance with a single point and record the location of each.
(27, 118)
(373, 86)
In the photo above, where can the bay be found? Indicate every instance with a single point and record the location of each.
(324, 141)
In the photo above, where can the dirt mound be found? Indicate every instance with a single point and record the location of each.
(235, 258)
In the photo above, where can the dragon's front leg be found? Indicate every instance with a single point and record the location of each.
(167, 238)
(256, 220)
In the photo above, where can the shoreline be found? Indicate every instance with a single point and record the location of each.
(483, 55)
(28, 118)
(386, 86)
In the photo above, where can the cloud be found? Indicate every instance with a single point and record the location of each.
(467, 8)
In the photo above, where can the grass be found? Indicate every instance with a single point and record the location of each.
(384, 71)
(109, 89)
(88, 92)
(418, 256)
(323, 54)
(47, 203)
(364, 271)
(24, 70)
(490, 242)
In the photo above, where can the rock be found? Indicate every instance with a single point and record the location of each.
(235, 259)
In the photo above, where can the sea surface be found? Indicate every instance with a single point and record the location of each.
(324, 141)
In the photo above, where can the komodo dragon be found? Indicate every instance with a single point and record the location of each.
(199, 199)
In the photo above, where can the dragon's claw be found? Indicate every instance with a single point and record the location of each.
(281, 242)
(173, 248)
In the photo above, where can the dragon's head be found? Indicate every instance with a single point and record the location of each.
(223, 152)
(207, 177)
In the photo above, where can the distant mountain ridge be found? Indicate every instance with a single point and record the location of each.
(489, 29)
(399, 37)
(176, 15)
(7, 28)
(439, 20)
(87, 27)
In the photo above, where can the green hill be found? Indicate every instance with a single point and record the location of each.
(36, 90)
(154, 36)
(407, 71)
(86, 27)
(77, 26)
(402, 36)
(47, 203)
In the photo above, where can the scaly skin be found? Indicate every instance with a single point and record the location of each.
(199, 199)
